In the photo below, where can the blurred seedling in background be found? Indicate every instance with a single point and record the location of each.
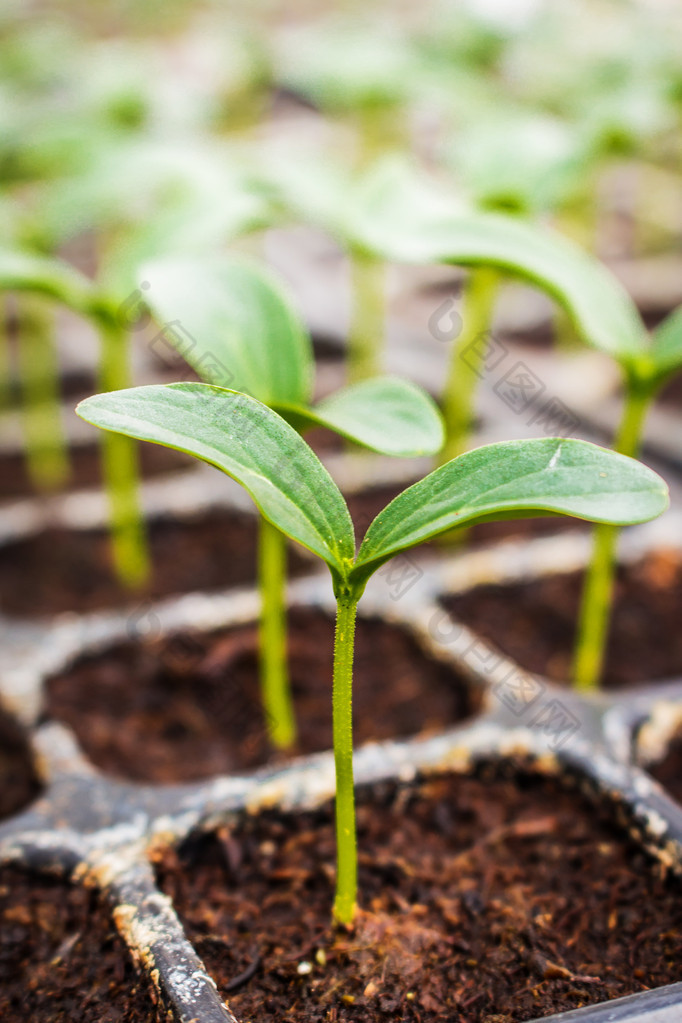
(52, 282)
(603, 316)
(239, 328)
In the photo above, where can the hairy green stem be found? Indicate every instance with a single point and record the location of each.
(368, 320)
(346, 845)
(45, 443)
(595, 610)
(276, 692)
(467, 360)
(120, 465)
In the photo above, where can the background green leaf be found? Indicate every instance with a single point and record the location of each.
(510, 158)
(386, 414)
(602, 311)
(666, 349)
(249, 442)
(234, 324)
(535, 477)
(21, 271)
(339, 66)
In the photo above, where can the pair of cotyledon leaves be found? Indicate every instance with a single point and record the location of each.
(253, 444)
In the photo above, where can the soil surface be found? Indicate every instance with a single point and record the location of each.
(70, 570)
(483, 900)
(534, 622)
(188, 706)
(85, 465)
(19, 783)
(61, 960)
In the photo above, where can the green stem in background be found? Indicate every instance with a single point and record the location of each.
(120, 465)
(595, 610)
(467, 360)
(45, 443)
(276, 692)
(382, 128)
(368, 319)
(5, 357)
(346, 844)
(566, 338)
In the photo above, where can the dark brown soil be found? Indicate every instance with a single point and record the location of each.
(482, 900)
(188, 706)
(541, 335)
(367, 504)
(654, 315)
(85, 465)
(328, 349)
(534, 622)
(61, 960)
(70, 570)
(669, 770)
(19, 783)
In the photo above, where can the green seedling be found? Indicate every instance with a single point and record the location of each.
(56, 129)
(521, 165)
(462, 40)
(318, 192)
(617, 94)
(145, 197)
(29, 317)
(142, 198)
(646, 369)
(234, 324)
(350, 70)
(406, 226)
(294, 492)
(528, 165)
(519, 162)
(43, 278)
(603, 316)
(344, 205)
